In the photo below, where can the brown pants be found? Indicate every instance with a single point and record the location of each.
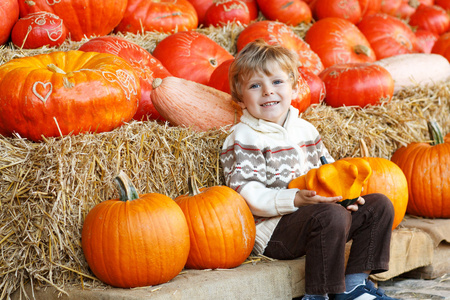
(321, 231)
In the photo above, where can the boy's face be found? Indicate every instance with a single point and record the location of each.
(268, 97)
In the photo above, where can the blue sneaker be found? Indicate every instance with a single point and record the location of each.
(364, 292)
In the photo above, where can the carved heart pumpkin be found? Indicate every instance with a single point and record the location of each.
(66, 93)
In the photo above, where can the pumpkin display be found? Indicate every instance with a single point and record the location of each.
(413, 69)
(316, 85)
(442, 46)
(9, 13)
(83, 18)
(158, 15)
(349, 10)
(388, 35)
(341, 178)
(63, 93)
(277, 32)
(357, 84)
(136, 240)
(427, 174)
(223, 12)
(221, 227)
(219, 77)
(39, 29)
(425, 40)
(430, 17)
(190, 55)
(190, 104)
(146, 66)
(406, 9)
(289, 12)
(338, 41)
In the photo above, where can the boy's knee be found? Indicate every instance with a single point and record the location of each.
(381, 203)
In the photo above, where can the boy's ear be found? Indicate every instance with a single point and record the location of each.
(241, 104)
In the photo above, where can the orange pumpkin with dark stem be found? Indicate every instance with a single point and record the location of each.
(9, 14)
(146, 66)
(137, 240)
(223, 12)
(277, 32)
(426, 169)
(158, 15)
(219, 77)
(221, 227)
(348, 10)
(83, 18)
(190, 55)
(39, 29)
(388, 36)
(63, 93)
(338, 41)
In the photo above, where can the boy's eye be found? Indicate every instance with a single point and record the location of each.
(277, 81)
(254, 86)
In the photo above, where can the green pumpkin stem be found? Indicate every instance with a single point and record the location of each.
(361, 49)
(193, 187)
(323, 160)
(126, 188)
(435, 133)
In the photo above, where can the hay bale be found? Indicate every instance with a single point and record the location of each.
(48, 188)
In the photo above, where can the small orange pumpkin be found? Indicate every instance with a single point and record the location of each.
(341, 178)
(137, 240)
(221, 227)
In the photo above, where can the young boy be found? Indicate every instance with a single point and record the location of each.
(271, 146)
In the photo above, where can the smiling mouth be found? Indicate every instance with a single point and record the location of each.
(270, 104)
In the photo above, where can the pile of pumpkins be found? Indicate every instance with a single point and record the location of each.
(356, 54)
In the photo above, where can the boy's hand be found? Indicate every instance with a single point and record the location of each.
(354, 207)
(307, 197)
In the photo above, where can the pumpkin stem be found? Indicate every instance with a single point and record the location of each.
(414, 3)
(361, 49)
(323, 160)
(193, 187)
(435, 133)
(56, 69)
(363, 148)
(127, 190)
(156, 82)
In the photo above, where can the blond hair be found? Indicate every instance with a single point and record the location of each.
(258, 56)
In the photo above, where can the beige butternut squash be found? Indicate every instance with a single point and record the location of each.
(190, 104)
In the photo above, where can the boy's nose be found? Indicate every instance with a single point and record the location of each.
(267, 92)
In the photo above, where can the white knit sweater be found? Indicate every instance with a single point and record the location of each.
(260, 158)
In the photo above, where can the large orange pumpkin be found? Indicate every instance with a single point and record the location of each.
(426, 169)
(191, 55)
(337, 40)
(137, 240)
(83, 18)
(158, 15)
(221, 227)
(66, 93)
(146, 66)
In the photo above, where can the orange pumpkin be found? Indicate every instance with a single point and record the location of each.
(221, 227)
(9, 14)
(63, 93)
(426, 169)
(83, 18)
(341, 178)
(137, 240)
(158, 15)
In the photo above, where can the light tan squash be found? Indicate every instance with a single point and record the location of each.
(190, 104)
(413, 69)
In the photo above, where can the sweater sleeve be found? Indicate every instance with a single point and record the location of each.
(245, 170)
